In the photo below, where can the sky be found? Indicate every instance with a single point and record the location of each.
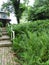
(12, 16)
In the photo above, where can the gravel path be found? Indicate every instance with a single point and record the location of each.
(6, 56)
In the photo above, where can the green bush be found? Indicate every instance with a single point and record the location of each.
(8, 28)
(39, 13)
(0, 32)
(0, 29)
(31, 44)
(0, 24)
(33, 50)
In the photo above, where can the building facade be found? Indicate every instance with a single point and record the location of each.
(4, 18)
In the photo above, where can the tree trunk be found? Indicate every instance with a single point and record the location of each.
(18, 21)
(16, 4)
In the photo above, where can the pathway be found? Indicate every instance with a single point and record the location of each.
(6, 54)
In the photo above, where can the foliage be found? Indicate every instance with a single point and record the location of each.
(8, 7)
(0, 31)
(16, 4)
(16, 7)
(31, 43)
(39, 13)
(1, 28)
(39, 3)
(24, 17)
(8, 28)
(19, 8)
(40, 10)
(26, 2)
(1, 24)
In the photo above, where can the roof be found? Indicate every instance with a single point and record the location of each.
(5, 19)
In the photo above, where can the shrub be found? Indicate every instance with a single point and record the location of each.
(0, 32)
(33, 50)
(0, 24)
(31, 44)
(39, 13)
(8, 28)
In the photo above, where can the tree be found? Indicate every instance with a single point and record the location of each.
(18, 9)
(17, 6)
(8, 7)
(26, 2)
(38, 3)
(40, 10)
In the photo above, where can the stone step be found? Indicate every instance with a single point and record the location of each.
(5, 37)
(5, 43)
(4, 33)
(3, 28)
